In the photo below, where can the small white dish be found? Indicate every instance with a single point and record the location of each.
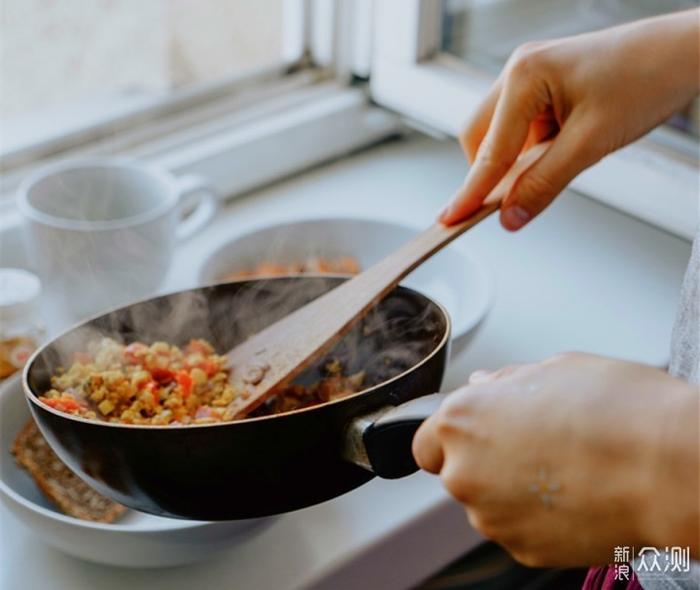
(453, 277)
(136, 540)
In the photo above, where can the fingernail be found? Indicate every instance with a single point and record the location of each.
(514, 217)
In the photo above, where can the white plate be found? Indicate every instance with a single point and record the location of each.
(136, 540)
(453, 277)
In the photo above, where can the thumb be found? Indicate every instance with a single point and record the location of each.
(571, 152)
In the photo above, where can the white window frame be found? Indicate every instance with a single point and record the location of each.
(241, 133)
(410, 75)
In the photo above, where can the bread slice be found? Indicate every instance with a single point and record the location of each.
(58, 483)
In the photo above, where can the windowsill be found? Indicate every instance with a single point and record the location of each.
(301, 120)
(45, 126)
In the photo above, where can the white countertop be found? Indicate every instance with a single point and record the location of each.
(582, 277)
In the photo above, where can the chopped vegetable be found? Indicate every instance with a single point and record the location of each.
(185, 382)
(162, 384)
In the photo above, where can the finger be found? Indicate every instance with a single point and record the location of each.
(457, 478)
(427, 448)
(475, 130)
(471, 136)
(516, 107)
(479, 522)
(572, 151)
(542, 128)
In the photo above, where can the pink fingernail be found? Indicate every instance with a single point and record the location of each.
(515, 217)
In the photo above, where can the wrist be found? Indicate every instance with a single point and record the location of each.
(669, 514)
(679, 35)
(689, 58)
(664, 49)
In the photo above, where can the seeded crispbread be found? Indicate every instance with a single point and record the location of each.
(58, 483)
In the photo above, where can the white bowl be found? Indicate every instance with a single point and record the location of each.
(136, 540)
(453, 277)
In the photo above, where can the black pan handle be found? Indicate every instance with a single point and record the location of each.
(381, 442)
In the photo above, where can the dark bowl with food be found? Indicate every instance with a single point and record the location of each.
(267, 463)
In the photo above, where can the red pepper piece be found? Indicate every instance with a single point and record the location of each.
(63, 404)
(185, 382)
(162, 375)
(70, 405)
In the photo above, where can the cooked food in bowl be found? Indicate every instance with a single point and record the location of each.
(312, 264)
(163, 384)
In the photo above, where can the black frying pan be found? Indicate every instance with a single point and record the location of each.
(263, 465)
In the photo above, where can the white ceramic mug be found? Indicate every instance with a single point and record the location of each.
(101, 231)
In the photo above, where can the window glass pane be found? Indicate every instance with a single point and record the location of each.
(56, 53)
(485, 32)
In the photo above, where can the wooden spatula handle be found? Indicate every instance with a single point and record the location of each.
(398, 264)
(365, 289)
(281, 351)
(287, 347)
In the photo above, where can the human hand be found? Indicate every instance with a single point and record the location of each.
(594, 93)
(563, 460)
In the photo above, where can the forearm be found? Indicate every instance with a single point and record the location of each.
(663, 64)
(672, 513)
(681, 32)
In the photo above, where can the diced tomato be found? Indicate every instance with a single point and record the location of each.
(63, 404)
(82, 357)
(70, 405)
(162, 375)
(185, 382)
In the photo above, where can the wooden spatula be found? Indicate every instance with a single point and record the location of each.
(281, 351)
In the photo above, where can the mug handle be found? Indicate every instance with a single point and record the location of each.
(194, 187)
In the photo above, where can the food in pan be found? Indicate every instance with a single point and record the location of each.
(57, 482)
(162, 384)
(312, 264)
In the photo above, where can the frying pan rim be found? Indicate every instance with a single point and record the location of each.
(33, 399)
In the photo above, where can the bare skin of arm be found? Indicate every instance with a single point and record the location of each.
(563, 460)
